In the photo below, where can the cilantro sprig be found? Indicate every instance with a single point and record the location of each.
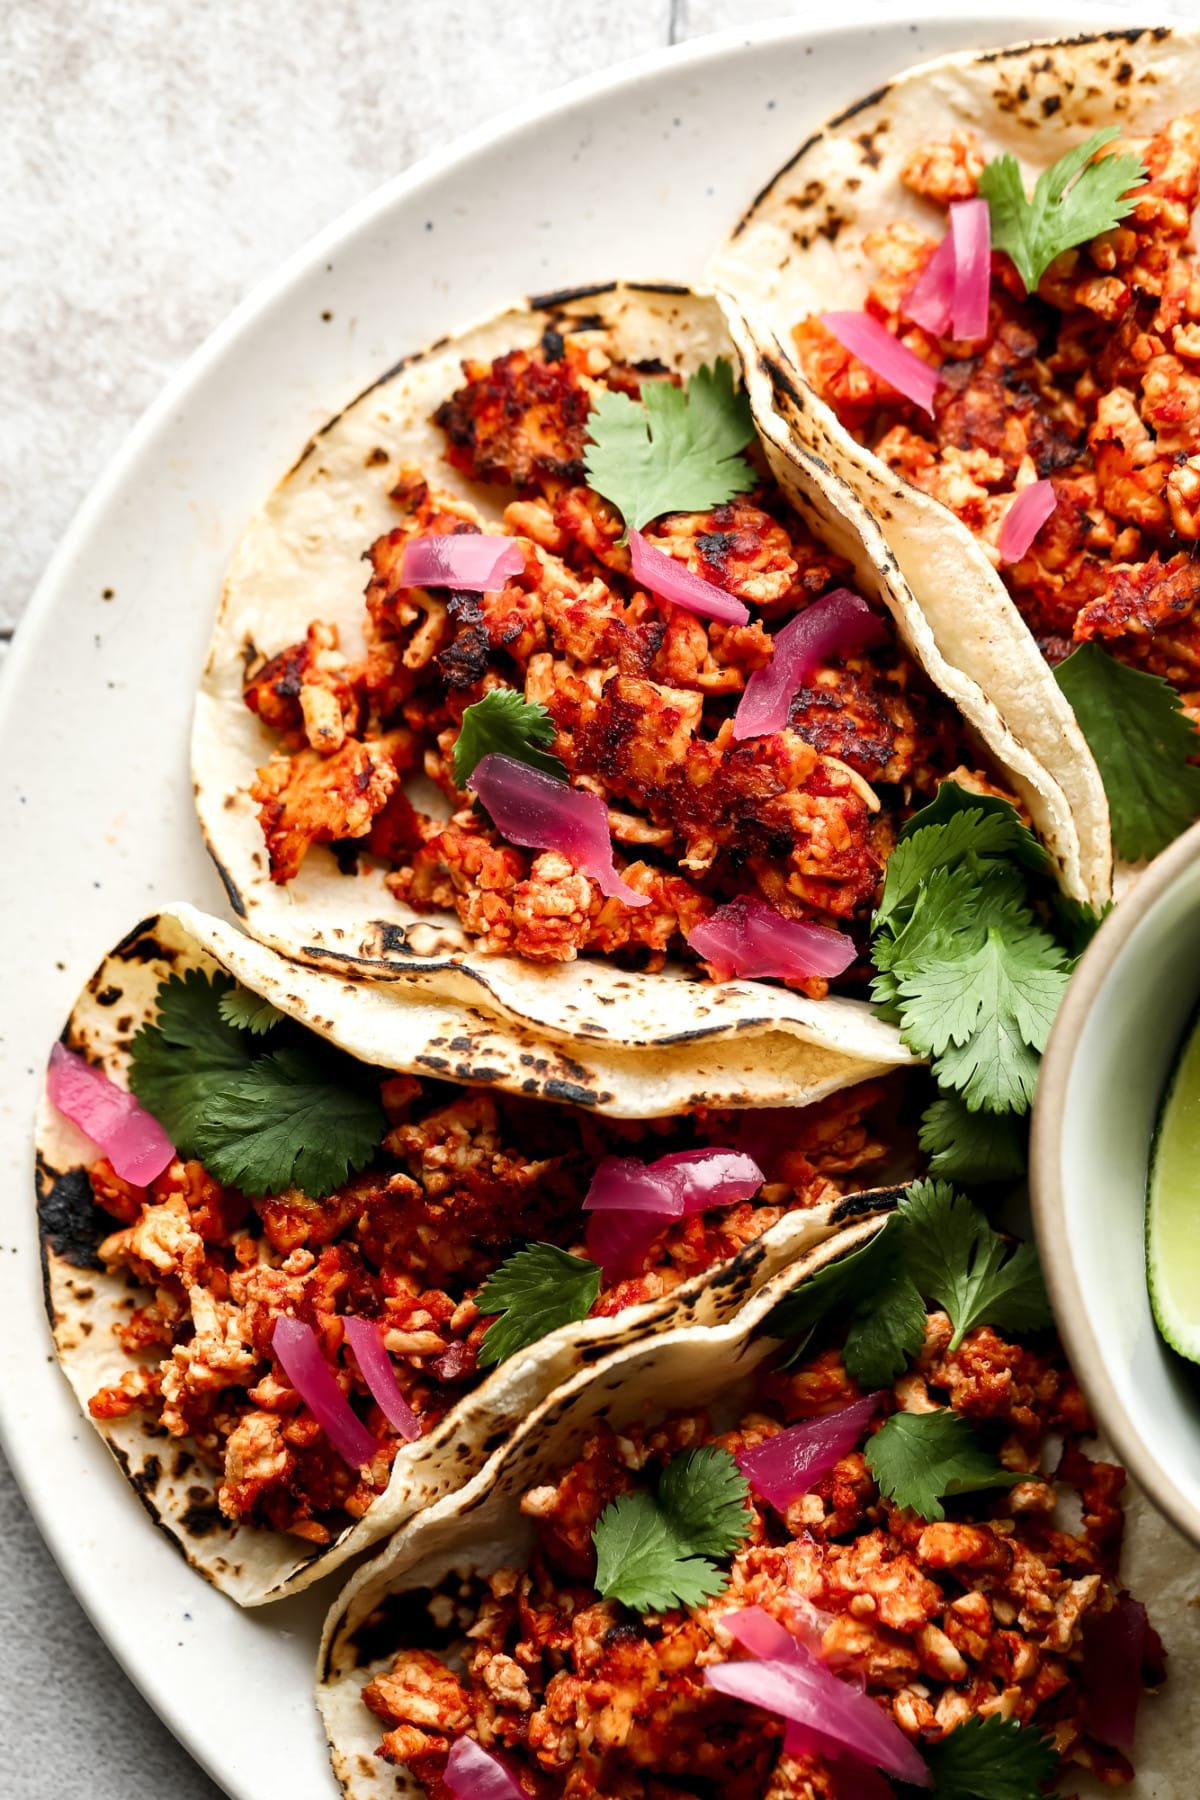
(937, 1246)
(261, 1116)
(1074, 200)
(656, 1551)
(504, 722)
(965, 966)
(991, 1758)
(535, 1291)
(1142, 741)
(675, 450)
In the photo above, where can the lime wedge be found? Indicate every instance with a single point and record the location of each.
(1173, 1207)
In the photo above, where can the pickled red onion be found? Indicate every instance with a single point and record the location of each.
(710, 1177)
(296, 1346)
(837, 1717)
(790, 1463)
(756, 1631)
(473, 1773)
(670, 580)
(929, 301)
(631, 1202)
(1025, 518)
(971, 235)
(891, 360)
(540, 813)
(623, 1184)
(748, 937)
(1115, 1646)
(375, 1367)
(132, 1139)
(468, 560)
(835, 625)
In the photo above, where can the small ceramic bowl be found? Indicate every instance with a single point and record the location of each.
(1102, 1081)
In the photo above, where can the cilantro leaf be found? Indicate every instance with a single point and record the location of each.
(984, 1014)
(505, 722)
(248, 1012)
(991, 1758)
(1141, 740)
(176, 1062)
(937, 1246)
(888, 1331)
(971, 825)
(971, 1146)
(704, 1494)
(839, 1286)
(535, 1291)
(639, 1561)
(919, 1459)
(950, 910)
(653, 1553)
(962, 966)
(676, 451)
(955, 1258)
(887, 1314)
(950, 800)
(1074, 200)
(292, 1119)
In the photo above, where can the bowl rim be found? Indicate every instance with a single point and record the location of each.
(1072, 1307)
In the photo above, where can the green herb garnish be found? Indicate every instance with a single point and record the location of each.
(991, 1758)
(505, 723)
(964, 967)
(920, 1459)
(654, 1552)
(534, 1292)
(294, 1119)
(937, 1246)
(677, 450)
(298, 1115)
(1141, 740)
(248, 1012)
(187, 1054)
(887, 1322)
(953, 1256)
(1073, 201)
(972, 1146)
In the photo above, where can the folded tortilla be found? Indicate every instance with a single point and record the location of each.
(799, 251)
(398, 1029)
(301, 559)
(482, 1529)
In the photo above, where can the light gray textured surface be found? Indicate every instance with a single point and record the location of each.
(159, 158)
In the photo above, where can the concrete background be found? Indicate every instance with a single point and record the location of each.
(158, 158)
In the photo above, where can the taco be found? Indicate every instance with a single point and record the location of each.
(1024, 424)
(646, 822)
(298, 1159)
(798, 1583)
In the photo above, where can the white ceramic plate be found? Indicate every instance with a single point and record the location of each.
(636, 173)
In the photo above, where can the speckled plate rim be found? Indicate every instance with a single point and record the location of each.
(100, 1542)
(1072, 1311)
